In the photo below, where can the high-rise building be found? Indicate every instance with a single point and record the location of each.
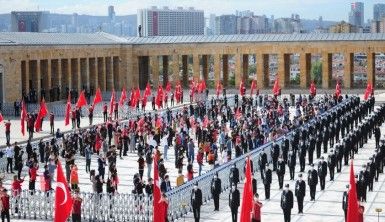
(171, 22)
(356, 14)
(31, 21)
(111, 13)
(226, 25)
(378, 11)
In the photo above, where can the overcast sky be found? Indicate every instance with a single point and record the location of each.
(311, 9)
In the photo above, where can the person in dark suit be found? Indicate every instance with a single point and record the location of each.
(254, 184)
(312, 181)
(302, 155)
(345, 198)
(216, 189)
(300, 192)
(234, 201)
(285, 148)
(262, 161)
(267, 181)
(196, 201)
(377, 135)
(287, 203)
(291, 162)
(274, 155)
(322, 172)
(234, 175)
(165, 185)
(280, 172)
(332, 162)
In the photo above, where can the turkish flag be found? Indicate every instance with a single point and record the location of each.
(252, 87)
(241, 88)
(338, 90)
(137, 95)
(168, 87)
(147, 91)
(23, 116)
(178, 92)
(68, 110)
(158, 213)
(159, 97)
(159, 122)
(97, 98)
(368, 91)
(276, 87)
(352, 214)
(1, 118)
(192, 88)
(112, 102)
(238, 113)
(63, 200)
(219, 88)
(313, 89)
(203, 85)
(123, 97)
(247, 196)
(81, 100)
(43, 111)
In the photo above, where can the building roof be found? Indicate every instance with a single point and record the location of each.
(101, 38)
(34, 38)
(300, 37)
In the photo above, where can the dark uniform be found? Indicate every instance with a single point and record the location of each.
(322, 172)
(287, 203)
(345, 198)
(301, 156)
(262, 161)
(275, 155)
(234, 201)
(267, 182)
(216, 189)
(280, 172)
(291, 162)
(312, 180)
(300, 193)
(196, 202)
(234, 175)
(332, 164)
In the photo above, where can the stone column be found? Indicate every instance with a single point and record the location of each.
(38, 80)
(102, 80)
(27, 76)
(87, 70)
(165, 70)
(94, 73)
(283, 69)
(217, 68)
(225, 62)
(59, 74)
(370, 71)
(238, 69)
(305, 67)
(348, 69)
(205, 67)
(327, 60)
(155, 71)
(262, 70)
(79, 75)
(245, 67)
(175, 68)
(116, 72)
(196, 67)
(49, 79)
(185, 76)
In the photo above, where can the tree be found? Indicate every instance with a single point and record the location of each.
(316, 72)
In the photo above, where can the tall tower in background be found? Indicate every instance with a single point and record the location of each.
(378, 11)
(356, 14)
(111, 13)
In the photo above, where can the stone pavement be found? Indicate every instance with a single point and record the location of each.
(328, 204)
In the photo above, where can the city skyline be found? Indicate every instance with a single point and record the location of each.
(278, 8)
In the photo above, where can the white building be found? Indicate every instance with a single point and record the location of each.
(171, 22)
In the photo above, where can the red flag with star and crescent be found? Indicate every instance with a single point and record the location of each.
(82, 100)
(97, 98)
(23, 116)
(352, 214)
(43, 111)
(276, 87)
(247, 196)
(63, 199)
(68, 110)
(313, 89)
(242, 88)
(158, 214)
(253, 87)
(123, 97)
(219, 88)
(112, 102)
(338, 90)
(368, 91)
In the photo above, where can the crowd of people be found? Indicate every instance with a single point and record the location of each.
(211, 133)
